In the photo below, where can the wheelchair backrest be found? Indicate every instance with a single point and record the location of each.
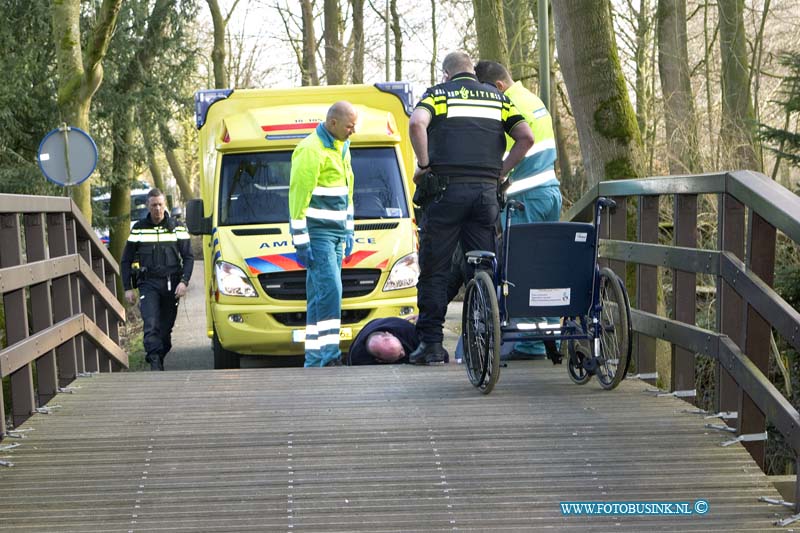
(551, 266)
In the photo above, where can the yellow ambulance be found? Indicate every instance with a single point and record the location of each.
(256, 300)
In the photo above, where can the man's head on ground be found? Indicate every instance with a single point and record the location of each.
(385, 347)
(156, 204)
(493, 73)
(341, 120)
(456, 63)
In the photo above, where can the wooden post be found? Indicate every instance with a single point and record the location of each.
(647, 289)
(74, 287)
(730, 309)
(90, 353)
(761, 261)
(41, 306)
(23, 401)
(62, 298)
(100, 313)
(618, 230)
(684, 290)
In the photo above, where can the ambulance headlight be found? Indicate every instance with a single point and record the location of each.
(404, 274)
(232, 281)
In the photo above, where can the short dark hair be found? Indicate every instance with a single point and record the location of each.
(152, 193)
(457, 62)
(492, 72)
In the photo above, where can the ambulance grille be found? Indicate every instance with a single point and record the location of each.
(292, 285)
(377, 226)
(298, 319)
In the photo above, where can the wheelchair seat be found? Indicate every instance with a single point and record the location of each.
(550, 269)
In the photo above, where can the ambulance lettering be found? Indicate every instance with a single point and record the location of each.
(275, 244)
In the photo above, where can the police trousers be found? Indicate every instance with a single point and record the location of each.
(324, 297)
(467, 212)
(159, 307)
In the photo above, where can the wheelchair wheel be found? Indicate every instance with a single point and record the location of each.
(615, 331)
(577, 355)
(481, 333)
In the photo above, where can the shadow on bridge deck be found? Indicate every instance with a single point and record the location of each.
(369, 449)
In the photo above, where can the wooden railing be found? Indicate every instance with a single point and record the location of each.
(750, 208)
(58, 287)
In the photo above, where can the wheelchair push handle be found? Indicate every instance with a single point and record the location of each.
(606, 203)
(514, 205)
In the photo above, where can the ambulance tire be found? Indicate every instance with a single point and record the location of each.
(223, 358)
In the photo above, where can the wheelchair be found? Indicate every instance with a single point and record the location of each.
(549, 269)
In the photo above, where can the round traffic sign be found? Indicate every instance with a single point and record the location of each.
(67, 156)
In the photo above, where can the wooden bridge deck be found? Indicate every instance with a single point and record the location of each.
(369, 449)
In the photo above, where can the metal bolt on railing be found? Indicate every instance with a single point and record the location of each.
(720, 427)
(751, 437)
(47, 409)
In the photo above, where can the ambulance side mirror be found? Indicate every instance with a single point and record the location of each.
(196, 223)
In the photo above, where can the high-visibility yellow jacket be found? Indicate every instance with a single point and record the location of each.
(320, 187)
(537, 167)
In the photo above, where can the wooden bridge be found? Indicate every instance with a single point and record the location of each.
(403, 448)
(383, 448)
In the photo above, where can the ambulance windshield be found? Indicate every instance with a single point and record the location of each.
(254, 188)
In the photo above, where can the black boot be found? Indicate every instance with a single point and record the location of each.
(427, 353)
(156, 362)
(552, 352)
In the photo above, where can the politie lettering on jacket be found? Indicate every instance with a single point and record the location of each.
(465, 93)
(281, 244)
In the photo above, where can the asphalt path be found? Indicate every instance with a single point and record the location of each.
(191, 348)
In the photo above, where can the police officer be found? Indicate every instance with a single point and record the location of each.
(157, 260)
(458, 132)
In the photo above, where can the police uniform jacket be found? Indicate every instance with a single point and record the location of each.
(162, 250)
(469, 120)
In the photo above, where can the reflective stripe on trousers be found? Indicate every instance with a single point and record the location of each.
(324, 296)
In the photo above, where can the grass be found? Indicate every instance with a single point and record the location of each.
(131, 340)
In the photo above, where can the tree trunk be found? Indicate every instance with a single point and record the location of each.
(334, 62)
(398, 41)
(79, 75)
(713, 142)
(680, 119)
(130, 83)
(641, 58)
(180, 176)
(358, 41)
(737, 109)
(554, 105)
(120, 205)
(611, 143)
(158, 177)
(310, 76)
(434, 42)
(564, 163)
(491, 31)
(218, 52)
(518, 26)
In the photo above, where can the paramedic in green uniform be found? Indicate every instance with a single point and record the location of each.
(321, 213)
